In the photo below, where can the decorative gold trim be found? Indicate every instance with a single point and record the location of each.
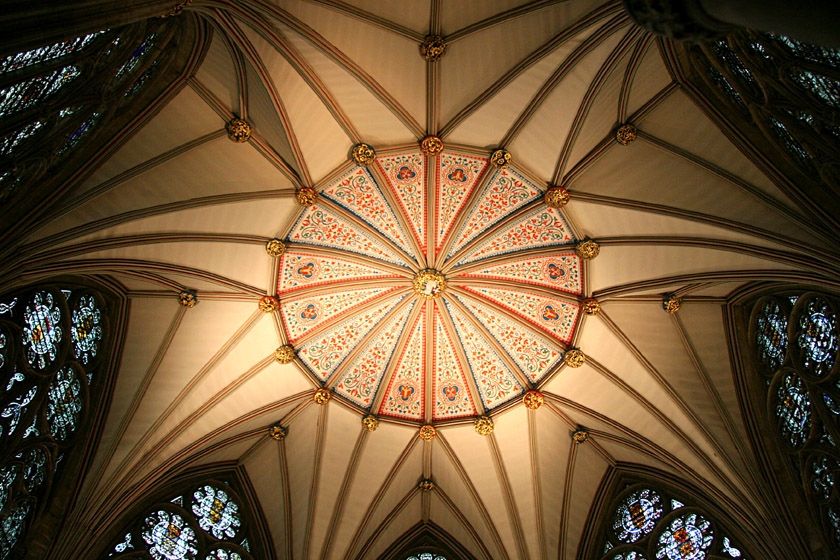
(427, 432)
(285, 354)
(426, 485)
(370, 423)
(187, 298)
(625, 134)
(574, 358)
(580, 435)
(269, 304)
(484, 425)
(591, 306)
(671, 303)
(306, 196)
(587, 249)
(321, 396)
(433, 47)
(278, 432)
(431, 145)
(238, 130)
(363, 154)
(422, 285)
(275, 248)
(178, 9)
(501, 159)
(557, 197)
(533, 400)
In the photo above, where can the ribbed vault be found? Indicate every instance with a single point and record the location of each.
(679, 210)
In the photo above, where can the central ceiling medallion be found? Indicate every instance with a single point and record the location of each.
(429, 284)
(428, 288)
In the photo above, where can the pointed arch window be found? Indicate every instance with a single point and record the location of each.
(648, 522)
(788, 90)
(206, 520)
(795, 345)
(55, 98)
(55, 342)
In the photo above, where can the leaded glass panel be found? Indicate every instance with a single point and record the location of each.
(64, 403)
(25, 94)
(42, 330)
(203, 523)
(687, 537)
(216, 512)
(45, 54)
(40, 410)
(816, 337)
(771, 326)
(169, 536)
(637, 515)
(136, 56)
(663, 527)
(793, 409)
(86, 328)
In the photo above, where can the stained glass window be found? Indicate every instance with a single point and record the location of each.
(687, 537)
(771, 325)
(803, 401)
(136, 56)
(40, 411)
(790, 89)
(649, 524)
(64, 404)
(45, 54)
(86, 328)
(25, 94)
(42, 330)
(637, 515)
(203, 523)
(793, 409)
(426, 556)
(817, 337)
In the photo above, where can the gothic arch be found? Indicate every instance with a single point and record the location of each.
(61, 342)
(668, 504)
(425, 538)
(213, 508)
(788, 458)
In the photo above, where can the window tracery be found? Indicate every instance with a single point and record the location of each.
(800, 334)
(646, 522)
(204, 522)
(52, 346)
(788, 90)
(55, 98)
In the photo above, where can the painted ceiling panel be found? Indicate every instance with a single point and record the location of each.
(425, 288)
(611, 221)
(336, 463)
(487, 124)
(449, 478)
(642, 262)
(646, 173)
(237, 261)
(706, 142)
(662, 344)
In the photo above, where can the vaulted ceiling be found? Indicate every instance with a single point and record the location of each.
(178, 205)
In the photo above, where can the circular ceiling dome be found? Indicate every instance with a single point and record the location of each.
(429, 289)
